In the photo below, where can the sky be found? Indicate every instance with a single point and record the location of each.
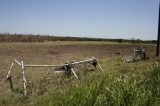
(125, 19)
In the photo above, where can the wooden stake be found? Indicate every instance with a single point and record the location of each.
(23, 79)
(10, 69)
(9, 77)
(100, 67)
(74, 73)
(98, 64)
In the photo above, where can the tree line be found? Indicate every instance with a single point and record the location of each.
(7, 37)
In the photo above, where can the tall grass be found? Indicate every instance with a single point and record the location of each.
(100, 89)
(109, 90)
(154, 80)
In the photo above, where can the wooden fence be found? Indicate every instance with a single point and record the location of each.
(67, 68)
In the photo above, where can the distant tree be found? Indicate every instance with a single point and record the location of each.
(120, 40)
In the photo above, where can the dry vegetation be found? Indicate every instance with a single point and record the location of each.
(46, 88)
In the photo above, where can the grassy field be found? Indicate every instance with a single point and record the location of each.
(121, 84)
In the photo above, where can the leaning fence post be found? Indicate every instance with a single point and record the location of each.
(23, 79)
(10, 69)
(97, 63)
(9, 77)
(70, 68)
(74, 73)
(100, 67)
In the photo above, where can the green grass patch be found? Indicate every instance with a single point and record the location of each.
(101, 89)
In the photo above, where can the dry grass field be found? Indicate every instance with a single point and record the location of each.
(60, 51)
(43, 83)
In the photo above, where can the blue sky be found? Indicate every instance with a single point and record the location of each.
(86, 18)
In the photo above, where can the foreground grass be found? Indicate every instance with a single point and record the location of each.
(111, 90)
(120, 83)
(99, 89)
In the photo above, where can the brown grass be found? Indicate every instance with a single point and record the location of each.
(57, 53)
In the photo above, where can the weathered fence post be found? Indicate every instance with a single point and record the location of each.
(23, 79)
(9, 77)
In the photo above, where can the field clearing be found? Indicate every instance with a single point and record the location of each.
(61, 51)
(67, 49)
(43, 80)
